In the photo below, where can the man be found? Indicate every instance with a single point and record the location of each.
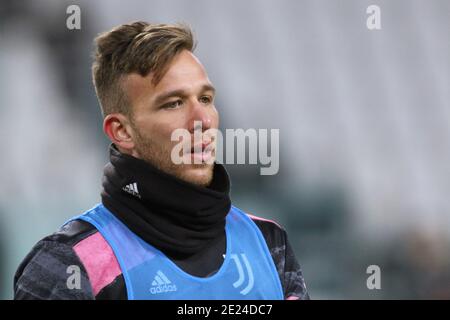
(164, 230)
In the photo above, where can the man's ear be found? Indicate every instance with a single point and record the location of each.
(118, 129)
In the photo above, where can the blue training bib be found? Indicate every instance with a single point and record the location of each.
(248, 270)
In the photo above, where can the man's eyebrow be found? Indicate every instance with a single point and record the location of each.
(181, 93)
(208, 87)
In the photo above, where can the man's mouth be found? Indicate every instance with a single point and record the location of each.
(202, 153)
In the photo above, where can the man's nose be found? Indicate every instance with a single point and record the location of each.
(200, 115)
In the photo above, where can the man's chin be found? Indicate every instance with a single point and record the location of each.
(197, 174)
(200, 175)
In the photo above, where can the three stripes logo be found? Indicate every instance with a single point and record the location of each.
(132, 189)
(240, 281)
(162, 284)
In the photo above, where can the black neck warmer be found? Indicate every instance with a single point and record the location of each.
(177, 217)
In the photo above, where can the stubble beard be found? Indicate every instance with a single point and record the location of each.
(157, 155)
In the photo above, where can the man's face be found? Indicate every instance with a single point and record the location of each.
(184, 95)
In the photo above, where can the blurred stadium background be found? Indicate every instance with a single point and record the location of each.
(364, 119)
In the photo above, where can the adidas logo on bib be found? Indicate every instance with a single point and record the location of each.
(161, 284)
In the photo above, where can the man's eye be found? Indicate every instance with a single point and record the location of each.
(205, 99)
(173, 104)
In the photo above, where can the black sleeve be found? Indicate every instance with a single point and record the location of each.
(288, 268)
(44, 274)
(294, 283)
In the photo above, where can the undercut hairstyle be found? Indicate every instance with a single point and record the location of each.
(137, 47)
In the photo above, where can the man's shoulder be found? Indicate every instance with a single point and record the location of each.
(60, 241)
(287, 266)
(72, 232)
(43, 272)
(273, 232)
(267, 225)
